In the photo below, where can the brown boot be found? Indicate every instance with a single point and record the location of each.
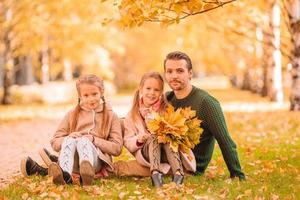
(60, 177)
(87, 172)
(47, 157)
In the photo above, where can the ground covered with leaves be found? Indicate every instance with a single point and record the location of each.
(269, 150)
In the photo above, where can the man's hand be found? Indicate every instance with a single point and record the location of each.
(75, 134)
(143, 138)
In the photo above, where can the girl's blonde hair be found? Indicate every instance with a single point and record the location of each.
(135, 113)
(98, 82)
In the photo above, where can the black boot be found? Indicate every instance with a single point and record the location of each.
(30, 167)
(157, 180)
(59, 176)
(240, 176)
(47, 157)
(178, 179)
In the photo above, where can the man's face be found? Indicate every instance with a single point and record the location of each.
(177, 74)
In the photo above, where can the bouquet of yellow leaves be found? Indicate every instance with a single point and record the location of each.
(180, 128)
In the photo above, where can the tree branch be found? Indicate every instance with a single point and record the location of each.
(210, 9)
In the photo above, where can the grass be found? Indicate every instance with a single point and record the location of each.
(269, 150)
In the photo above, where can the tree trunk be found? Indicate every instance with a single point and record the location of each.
(23, 71)
(67, 70)
(265, 87)
(246, 80)
(294, 19)
(7, 82)
(8, 59)
(267, 60)
(259, 52)
(1, 69)
(276, 91)
(7, 72)
(45, 62)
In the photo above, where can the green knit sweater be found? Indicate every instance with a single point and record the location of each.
(214, 128)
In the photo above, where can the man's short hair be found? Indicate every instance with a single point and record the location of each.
(178, 55)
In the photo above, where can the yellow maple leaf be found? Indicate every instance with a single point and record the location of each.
(153, 125)
(174, 146)
(188, 113)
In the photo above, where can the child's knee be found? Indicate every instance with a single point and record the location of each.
(69, 141)
(83, 141)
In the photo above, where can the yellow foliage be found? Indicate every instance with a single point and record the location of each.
(166, 12)
(180, 128)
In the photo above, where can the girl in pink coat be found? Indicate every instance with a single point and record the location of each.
(141, 143)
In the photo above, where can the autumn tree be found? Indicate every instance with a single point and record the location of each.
(292, 8)
(168, 12)
(55, 35)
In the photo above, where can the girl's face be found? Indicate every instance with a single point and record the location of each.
(90, 95)
(151, 91)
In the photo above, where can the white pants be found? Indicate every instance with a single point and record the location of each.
(74, 151)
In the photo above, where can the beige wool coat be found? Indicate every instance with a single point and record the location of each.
(108, 145)
(133, 129)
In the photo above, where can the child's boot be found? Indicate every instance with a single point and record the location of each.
(87, 172)
(47, 157)
(30, 167)
(59, 176)
(178, 179)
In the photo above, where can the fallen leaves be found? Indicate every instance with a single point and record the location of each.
(269, 157)
(122, 195)
(247, 193)
(45, 189)
(172, 191)
(224, 193)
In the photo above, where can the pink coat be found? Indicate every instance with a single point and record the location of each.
(131, 132)
(107, 145)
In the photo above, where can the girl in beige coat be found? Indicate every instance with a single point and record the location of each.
(87, 136)
(142, 144)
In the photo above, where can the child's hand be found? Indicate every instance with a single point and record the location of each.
(143, 138)
(75, 134)
(90, 137)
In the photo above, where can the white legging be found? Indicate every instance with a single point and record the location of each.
(74, 151)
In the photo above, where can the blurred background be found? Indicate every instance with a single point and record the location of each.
(46, 45)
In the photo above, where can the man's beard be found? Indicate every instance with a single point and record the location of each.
(179, 85)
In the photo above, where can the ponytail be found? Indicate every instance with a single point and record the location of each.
(135, 113)
(74, 117)
(104, 126)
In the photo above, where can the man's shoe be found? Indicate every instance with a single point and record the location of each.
(157, 180)
(30, 167)
(47, 157)
(60, 177)
(178, 179)
(241, 177)
(87, 172)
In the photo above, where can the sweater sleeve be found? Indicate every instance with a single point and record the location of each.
(130, 135)
(213, 119)
(113, 144)
(62, 131)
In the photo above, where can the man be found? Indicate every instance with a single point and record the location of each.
(178, 73)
